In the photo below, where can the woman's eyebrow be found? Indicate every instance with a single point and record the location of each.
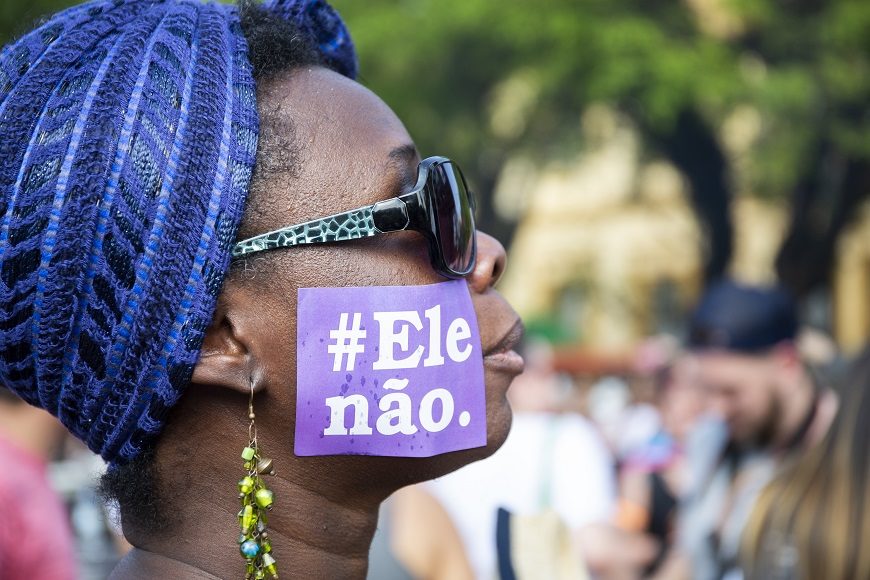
(407, 153)
(404, 158)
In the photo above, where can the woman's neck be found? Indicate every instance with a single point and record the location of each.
(311, 533)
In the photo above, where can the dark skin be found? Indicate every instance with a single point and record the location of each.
(354, 152)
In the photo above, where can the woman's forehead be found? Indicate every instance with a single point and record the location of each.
(344, 138)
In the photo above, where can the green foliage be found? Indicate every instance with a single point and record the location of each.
(454, 70)
(18, 16)
(440, 63)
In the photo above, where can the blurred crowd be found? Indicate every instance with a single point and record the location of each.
(739, 451)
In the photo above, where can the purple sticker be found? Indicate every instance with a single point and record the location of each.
(389, 370)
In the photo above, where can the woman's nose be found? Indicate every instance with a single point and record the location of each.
(491, 260)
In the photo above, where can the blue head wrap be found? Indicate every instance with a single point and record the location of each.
(323, 24)
(128, 137)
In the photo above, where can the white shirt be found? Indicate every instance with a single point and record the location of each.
(576, 478)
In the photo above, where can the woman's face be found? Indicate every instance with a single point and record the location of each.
(351, 150)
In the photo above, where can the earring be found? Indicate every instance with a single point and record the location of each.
(256, 498)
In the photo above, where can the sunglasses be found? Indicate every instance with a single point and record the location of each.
(440, 207)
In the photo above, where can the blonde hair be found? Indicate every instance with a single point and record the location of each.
(816, 514)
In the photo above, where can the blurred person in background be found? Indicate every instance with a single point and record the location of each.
(35, 537)
(653, 477)
(552, 462)
(416, 540)
(624, 401)
(619, 407)
(813, 520)
(772, 409)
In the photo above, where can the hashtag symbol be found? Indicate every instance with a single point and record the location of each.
(346, 342)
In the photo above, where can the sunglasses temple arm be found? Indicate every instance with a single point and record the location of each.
(352, 225)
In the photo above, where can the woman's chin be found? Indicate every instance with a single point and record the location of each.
(390, 473)
(499, 418)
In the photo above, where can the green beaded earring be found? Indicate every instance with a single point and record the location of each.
(256, 498)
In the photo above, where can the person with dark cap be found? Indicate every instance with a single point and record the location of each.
(145, 145)
(771, 408)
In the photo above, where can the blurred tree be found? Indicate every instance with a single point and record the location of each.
(18, 16)
(678, 69)
(482, 81)
(466, 60)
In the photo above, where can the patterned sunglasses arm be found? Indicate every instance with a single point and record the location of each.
(351, 225)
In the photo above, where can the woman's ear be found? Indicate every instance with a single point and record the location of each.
(225, 359)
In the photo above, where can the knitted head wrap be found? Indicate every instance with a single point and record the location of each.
(322, 23)
(128, 134)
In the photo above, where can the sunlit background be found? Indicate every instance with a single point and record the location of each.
(626, 152)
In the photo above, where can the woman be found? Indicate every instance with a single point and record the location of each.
(140, 141)
(653, 477)
(813, 521)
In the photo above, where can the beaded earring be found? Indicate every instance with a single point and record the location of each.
(256, 498)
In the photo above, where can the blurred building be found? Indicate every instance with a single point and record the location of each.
(851, 293)
(608, 247)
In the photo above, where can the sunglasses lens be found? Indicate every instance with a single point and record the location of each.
(455, 218)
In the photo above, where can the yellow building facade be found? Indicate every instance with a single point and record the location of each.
(609, 244)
